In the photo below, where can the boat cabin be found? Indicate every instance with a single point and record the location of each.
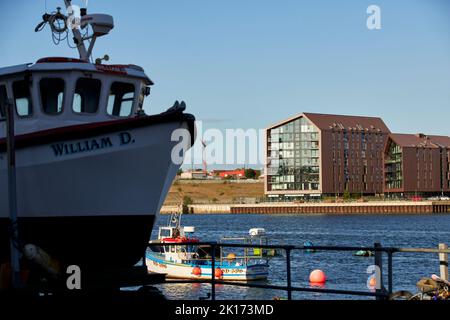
(173, 235)
(57, 92)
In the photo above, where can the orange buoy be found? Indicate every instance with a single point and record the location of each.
(231, 256)
(197, 271)
(373, 282)
(317, 276)
(218, 273)
(317, 285)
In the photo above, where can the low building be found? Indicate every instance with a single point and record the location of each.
(311, 155)
(233, 174)
(417, 165)
(193, 174)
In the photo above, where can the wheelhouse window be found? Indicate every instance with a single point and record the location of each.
(87, 95)
(120, 100)
(3, 100)
(52, 95)
(22, 98)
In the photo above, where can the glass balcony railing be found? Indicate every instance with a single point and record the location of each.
(390, 161)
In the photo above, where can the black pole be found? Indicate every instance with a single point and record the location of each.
(12, 195)
(213, 271)
(288, 273)
(390, 272)
(379, 265)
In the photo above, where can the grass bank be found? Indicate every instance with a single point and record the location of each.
(214, 192)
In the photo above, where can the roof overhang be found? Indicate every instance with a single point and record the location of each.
(280, 123)
(300, 115)
(71, 64)
(14, 69)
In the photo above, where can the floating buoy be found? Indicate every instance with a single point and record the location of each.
(218, 273)
(317, 276)
(317, 285)
(197, 271)
(231, 256)
(373, 282)
(309, 244)
(363, 253)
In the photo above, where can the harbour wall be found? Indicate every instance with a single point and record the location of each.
(381, 207)
(198, 208)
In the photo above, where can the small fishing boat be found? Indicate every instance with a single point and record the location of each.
(307, 244)
(179, 254)
(364, 253)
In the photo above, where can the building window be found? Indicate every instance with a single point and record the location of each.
(393, 167)
(22, 98)
(52, 95)
(120, 100)
(87, 95)
(296, 167)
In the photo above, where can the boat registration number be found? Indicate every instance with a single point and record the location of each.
(231, 271)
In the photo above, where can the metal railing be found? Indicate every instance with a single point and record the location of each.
(381, 292)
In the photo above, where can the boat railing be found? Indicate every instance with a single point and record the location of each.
(381, 292)
(251, 243)
(245, 259)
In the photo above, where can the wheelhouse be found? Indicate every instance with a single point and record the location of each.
(55, 92)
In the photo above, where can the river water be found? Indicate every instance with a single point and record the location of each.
(343, 270)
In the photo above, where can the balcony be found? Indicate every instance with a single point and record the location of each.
(392, 161)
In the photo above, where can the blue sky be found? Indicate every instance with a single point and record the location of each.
(248, 64)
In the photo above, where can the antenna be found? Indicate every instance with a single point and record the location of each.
(101, 24)
(77, 35)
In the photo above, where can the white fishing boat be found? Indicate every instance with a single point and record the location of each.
(177, 255)
(92, 168)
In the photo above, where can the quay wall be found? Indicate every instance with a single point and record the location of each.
(394, 207)
(197, 208)
(381, 207)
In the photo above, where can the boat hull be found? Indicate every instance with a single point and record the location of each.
(91, 198)
(186, 270)
(88, 241)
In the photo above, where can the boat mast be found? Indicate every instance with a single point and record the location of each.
(101, 24)
(84, 55)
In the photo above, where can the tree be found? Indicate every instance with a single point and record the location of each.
(250, 173)
(347, 195)
(187, 200)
